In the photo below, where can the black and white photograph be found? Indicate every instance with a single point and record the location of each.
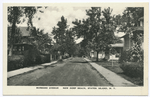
(71, 47)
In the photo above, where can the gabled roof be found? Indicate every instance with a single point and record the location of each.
(26, 31)
(139, 28)
(136, 30)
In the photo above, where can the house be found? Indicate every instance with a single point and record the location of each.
(118, 48)
(93, 54)
(20, 48)
(139, 30)
(22, 42)
(127, 42)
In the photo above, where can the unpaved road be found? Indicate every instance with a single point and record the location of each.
(72, 72)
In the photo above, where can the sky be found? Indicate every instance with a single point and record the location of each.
(51, 15)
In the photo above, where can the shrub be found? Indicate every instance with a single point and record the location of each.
(131, 56)
(32, 57)
(134, 54)
(125, 56)
(137, 54)
(15, 62)
(45, 58)
(133, 69)
(29, 58)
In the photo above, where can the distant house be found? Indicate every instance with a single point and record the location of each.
(22, 42)
(128, 43)
(93, 54)
(118, 48)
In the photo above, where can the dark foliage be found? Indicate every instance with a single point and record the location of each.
(133, 69)
(15, 62)
(125, 56)
(45, 58)
(131, 55)
(30, 58)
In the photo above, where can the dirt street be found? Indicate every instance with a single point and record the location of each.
(72, 72)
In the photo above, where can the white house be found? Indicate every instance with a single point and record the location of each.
(118, 47)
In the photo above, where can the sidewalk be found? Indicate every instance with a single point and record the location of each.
(27, 69)
(112, 77)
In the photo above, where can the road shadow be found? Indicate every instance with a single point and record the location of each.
(98, 61)
(79, 62)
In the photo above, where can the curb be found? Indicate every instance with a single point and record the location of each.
(27, 69)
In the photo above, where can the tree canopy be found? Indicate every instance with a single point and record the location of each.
(97, 31)
(15, 14)
(64, 37)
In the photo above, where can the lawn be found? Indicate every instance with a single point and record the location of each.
(116, 69)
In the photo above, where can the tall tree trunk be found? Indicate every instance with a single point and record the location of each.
(12, 38)
(10, 50)
(97, 56)
(13, 30)
(106, 55)
(51, 57)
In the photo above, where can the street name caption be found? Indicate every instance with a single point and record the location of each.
(75, 88)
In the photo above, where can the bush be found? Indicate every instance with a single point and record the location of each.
(135, 54)
(133, 69)
(45, 58)
(32, 57)
(125, 56)
(131, 56)
(29, 58)
(15, 62)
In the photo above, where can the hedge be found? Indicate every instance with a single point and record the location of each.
(15, 62)
(133, 69)
(29, 58)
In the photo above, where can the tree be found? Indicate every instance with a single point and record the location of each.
(95, 28)
(130, 17)
(70, 43)
(81, 30)
(129, 23)
(14, 17)
(42, 41)
(64, 38)
(14, 14)
(60, 34)
(109, 26)
(98, 32)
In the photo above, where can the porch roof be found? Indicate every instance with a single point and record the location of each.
(142, 18)
(117, 45)
(135, 30)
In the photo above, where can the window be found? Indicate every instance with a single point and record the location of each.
(15, 48)
(22, 48)
(19, 48)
